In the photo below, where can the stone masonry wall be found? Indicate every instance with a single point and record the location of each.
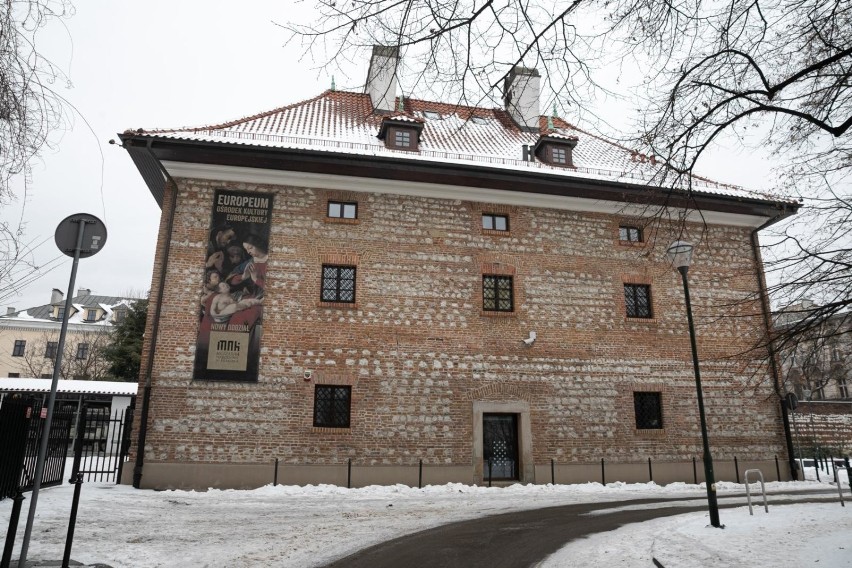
(418, 349)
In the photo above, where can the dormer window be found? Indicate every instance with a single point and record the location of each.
(556, 149)
(478, 120)
(91, 315)
(119, 315)
(401, 132)
(432, 115)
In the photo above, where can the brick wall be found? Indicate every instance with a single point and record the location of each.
(418, 349)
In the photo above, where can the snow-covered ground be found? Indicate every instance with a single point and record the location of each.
(309, 526)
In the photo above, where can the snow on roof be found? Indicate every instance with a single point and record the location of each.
(68, 386)
(344, 122)
(108, 304)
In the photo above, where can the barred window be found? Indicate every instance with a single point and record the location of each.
(332, 406)
(402, 138)
(82, 350)
(637, 300)
(338, 284)
(649, 410)
(19, 348)
(559, 155)
(497, 293)
(630, 234)
(50, 349)
(342, 210)
(495, 222)
(842, 388)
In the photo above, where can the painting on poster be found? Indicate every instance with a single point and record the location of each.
(231, 311)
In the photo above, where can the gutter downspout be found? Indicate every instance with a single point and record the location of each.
(155, 327)
(773, 362)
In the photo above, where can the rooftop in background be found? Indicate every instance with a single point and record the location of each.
(104, 307)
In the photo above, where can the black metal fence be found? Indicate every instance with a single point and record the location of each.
(21, 425)
(101, 443)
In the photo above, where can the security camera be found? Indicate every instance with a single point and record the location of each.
(531, 339)
(308, 375)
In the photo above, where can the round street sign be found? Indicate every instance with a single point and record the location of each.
(94, 234)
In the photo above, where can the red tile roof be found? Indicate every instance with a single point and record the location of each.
(344, 122)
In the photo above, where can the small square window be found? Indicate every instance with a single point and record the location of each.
(630, 234)
(341, 210)
(497, 293)
(559, 155)
(495, 222)
(332, 406)
(649, 410)
(50, 350)
(82, 350)
(402, 139)
(19, 348)
(338, 284)
(637, 300)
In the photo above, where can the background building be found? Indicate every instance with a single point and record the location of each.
(29, 338)
(484, 291)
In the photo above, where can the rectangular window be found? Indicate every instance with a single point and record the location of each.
(14, 375)
(637, 300)
(338, 284)
(497, 293)
(82, 350)
(842, 388)
(46, 375)
(60, 312)
(495, 222)
(559, 156)
(630, 234)
(91, 315)
(649, 410)
(341, 210)
(332, 406)
(402, 138)
(50, 350)
(120, 315)
(18, 349)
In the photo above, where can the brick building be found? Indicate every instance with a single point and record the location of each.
(477, 289)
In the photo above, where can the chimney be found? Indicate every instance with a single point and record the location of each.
(381, 77)
(10, 310)
(56, 296)
(84, 292)
(521, 91)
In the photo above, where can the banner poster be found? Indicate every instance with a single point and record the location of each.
(228, 347)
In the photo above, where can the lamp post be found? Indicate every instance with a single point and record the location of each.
(680, 254)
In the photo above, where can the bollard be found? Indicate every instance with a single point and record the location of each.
(694, 471)
(489, 472)
(17, 500)
(603, 473)
(552, 472)
(275, 477)
(72, 522)
(420, 476)
(349, 474)
(737, 468)
(777, 468)
(650, 471)
(816, 466)
(834, 469)
(848, 474)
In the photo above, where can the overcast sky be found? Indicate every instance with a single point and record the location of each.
(168, 64)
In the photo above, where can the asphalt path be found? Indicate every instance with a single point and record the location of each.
(525, 538)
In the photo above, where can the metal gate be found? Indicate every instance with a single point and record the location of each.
(101, 443)
(21, 425)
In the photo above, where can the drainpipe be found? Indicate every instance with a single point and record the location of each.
(773, 359)
(155, 327)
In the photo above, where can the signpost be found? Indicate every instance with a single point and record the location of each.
(78, 236)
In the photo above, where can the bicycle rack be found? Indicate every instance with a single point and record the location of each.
(762, 490)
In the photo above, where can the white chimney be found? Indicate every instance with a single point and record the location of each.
(84, 292)
(10, 310)
(521, 91)
(381, 77)
(56, 296)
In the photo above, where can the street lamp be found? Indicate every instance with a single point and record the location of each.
(680, 254)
